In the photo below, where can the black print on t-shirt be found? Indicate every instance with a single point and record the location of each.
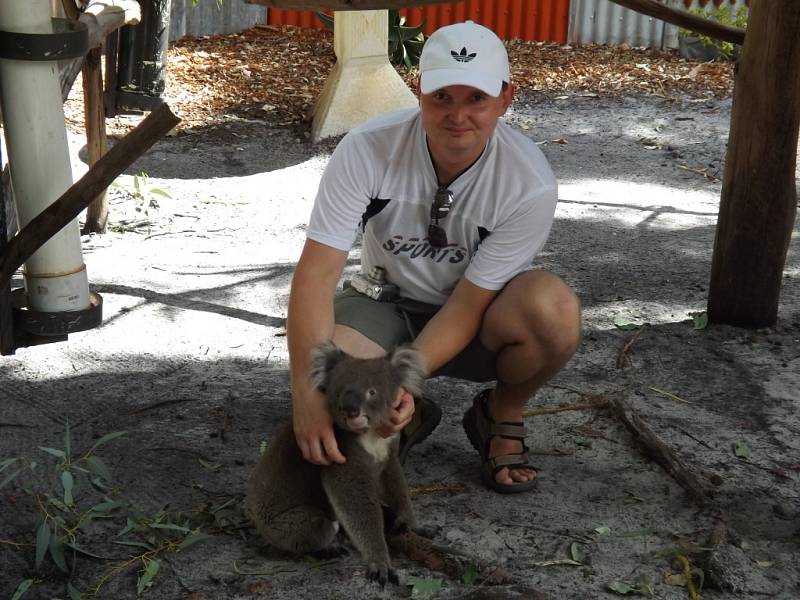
(415, 247)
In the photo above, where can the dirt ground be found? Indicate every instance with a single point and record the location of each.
(191, 363)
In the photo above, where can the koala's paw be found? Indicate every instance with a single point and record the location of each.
(382, 573)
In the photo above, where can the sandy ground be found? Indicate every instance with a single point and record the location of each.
(190, 361)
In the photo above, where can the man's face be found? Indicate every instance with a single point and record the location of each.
(459, 120)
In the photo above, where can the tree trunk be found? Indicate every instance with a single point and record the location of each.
(759, 197)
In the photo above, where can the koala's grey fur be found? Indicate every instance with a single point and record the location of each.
(297, 506)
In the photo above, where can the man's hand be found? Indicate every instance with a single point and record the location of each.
(313, 430)
(402, 413)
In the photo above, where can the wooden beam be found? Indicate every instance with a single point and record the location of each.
(759, 199)
(344, 4)
(66, 208)
(681, 18)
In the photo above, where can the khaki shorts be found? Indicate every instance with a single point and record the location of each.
(390, 324)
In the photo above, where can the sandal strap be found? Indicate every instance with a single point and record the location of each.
(510, 461)
(507, 430)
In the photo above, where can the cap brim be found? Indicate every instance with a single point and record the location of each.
(435, 79)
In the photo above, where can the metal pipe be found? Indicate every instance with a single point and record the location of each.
(38, 155)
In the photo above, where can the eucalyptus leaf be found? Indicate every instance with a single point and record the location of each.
(192, 539)
(602, 530)
(133, 544)
(68, 483)
(171, 527)
(625, 323)
(146, 578)
(57, 553)
(575, 552)
(555, 562)
(42, 542)
(622, 588)
(4, 464)
(86, 552)
(741, 450)
(106, 438)
(54, 451)
(160, 192)
(424, 587)
(106, 506)
(74, 594)
(470, 574)
(699, 320)
(98, 467)
(9, 478)
(22, 588)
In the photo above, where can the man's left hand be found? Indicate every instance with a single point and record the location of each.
(402, 413)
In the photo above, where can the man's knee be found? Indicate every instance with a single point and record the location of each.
(540, 305)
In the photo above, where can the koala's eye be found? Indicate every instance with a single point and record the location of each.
(371, 393)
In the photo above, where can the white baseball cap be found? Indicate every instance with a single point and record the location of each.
(463, 54)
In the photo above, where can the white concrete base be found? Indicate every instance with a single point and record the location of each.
(363, 83)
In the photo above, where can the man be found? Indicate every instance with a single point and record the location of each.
(454, 206)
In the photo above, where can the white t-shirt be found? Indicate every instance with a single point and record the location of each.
(510, 193)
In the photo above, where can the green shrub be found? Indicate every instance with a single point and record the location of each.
(724, 15)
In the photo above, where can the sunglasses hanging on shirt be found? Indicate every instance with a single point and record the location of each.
(442, 202)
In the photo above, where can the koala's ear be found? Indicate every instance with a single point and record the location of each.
(410, 368)
(323, 359)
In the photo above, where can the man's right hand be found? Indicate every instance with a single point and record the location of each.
(313, 430)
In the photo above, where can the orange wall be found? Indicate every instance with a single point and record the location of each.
(541, 20)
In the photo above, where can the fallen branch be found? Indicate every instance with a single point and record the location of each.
(448, 561)
(599, 402)
(660, 452)
(626, 348)
(681, 18)
(66, 208)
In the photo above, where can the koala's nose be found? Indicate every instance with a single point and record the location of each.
(351, 403)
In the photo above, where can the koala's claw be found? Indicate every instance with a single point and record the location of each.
(382, 573)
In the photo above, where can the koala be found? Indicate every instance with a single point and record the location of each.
(297, 506)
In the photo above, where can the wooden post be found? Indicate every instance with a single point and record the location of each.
(72, 202)
(759, 199)
(95, 118)
(6, 320)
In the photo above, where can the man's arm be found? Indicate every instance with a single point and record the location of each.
(310, 321)
(455, 325)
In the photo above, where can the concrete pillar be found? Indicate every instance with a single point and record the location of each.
(363, 83)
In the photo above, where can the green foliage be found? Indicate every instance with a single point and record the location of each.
(405, 42)
(73, 495)
(424, 587)
(724, 15)
(141, 192)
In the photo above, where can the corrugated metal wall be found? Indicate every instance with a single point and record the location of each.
(523, 19)
(603, 22)
(208, 17)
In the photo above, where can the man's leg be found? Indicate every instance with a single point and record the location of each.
(534, 327)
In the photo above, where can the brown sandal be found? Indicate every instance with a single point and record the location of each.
(480, 429)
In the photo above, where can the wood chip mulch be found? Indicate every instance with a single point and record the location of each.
(274, 75)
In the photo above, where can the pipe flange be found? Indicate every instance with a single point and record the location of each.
(41, 323)
(70, 39)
